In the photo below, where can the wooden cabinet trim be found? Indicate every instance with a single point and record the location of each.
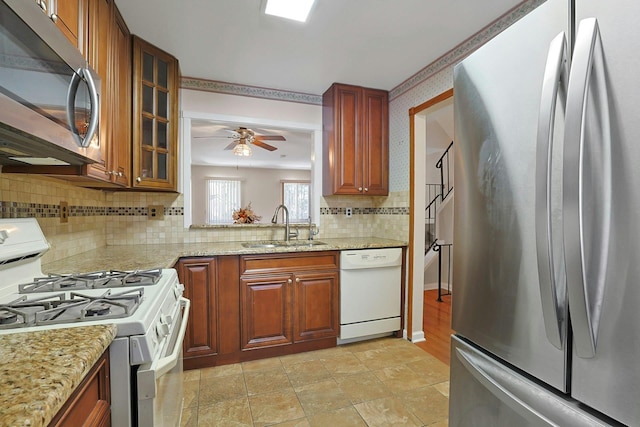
(289, 262)
(90, 403)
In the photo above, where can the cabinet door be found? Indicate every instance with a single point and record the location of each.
(66, 15)
(120, 161)
(266, 311)
(155, 117)
(99, 41)
(316, 305)
(199, 276)
(375, 143)
(342, 137)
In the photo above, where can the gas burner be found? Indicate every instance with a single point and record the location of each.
(94, 280)
(97, 309)
(7, 317)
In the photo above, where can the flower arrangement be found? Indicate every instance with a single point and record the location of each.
(245, 215)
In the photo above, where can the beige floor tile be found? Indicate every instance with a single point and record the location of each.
(431, 369)
(294, 359)
(220, 371)
(386, 412)
(302, 422)
(443, 423)
(343, 417)
(261, 365)
(230, 413)
(344, 364)
(322, 396)
(362, 387)
(443, 388)
(266, 381)
(307, 372)
(377, 358)
(191, 391)
(222, 388)
(276, 407)
(427, 403)
(191, 375)
(400, 378)
(189, 417)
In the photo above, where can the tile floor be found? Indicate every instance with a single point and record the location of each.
(380, 383)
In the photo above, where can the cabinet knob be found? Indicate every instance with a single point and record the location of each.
(289, 281)
(297, 280)
(359, 188)
(138, 179)
(366, 189)
(54, 17)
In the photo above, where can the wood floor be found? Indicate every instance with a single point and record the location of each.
(437, 326)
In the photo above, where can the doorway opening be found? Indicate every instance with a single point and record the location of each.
(431, 224)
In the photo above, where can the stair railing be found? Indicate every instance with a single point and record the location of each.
(446, 249)
(434, 196)
(444, 165)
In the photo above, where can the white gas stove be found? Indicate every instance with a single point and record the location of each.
(146, 306)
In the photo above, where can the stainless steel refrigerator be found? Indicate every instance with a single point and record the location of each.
(546, 292)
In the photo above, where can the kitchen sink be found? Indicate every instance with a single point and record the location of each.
(282, 243)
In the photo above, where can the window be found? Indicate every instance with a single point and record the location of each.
(223, 197)
(296, 197)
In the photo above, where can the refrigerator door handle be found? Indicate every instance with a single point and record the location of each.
(587, 86)
(554, 84)
(514, 391)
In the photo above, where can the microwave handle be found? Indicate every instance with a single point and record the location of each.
(83, 73)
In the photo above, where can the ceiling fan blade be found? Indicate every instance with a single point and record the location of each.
(270, 137)
(261, 144)
(212, 137)
(233, 144)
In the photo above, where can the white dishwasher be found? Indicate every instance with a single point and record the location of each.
(370, 281)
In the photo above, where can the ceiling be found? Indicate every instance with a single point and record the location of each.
(372, 43)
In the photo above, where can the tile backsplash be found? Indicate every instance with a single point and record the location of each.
(98, 218)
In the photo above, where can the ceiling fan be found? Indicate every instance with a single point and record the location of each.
(246, 136)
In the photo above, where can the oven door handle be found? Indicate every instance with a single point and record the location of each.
(167, 363)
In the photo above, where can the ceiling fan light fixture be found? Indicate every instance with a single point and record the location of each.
(297, 10)
(242, 150)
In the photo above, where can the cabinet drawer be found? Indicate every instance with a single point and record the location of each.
(289, 262)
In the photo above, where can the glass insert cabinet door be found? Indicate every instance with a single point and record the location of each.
(155, 117)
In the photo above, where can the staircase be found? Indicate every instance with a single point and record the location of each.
(435, 249)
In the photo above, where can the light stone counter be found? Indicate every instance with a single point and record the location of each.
(40, 370)
(139, 257)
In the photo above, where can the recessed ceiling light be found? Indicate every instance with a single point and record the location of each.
(298, 10)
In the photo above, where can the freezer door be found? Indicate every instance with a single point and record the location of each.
(499, 289)
(489, 393)
(609, 381)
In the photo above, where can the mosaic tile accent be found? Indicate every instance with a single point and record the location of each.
(366, 211)
(252, 91)
(39, 210)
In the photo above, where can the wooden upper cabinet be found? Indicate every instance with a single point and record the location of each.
(355, 141)
(155, 117)
(68, 17)
(120, 161)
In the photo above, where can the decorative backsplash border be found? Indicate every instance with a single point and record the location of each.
(41, 210)
(366, 211)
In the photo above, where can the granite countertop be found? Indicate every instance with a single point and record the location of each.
(140, 257)
(40, 370)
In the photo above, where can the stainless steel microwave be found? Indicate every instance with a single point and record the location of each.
(49, 96)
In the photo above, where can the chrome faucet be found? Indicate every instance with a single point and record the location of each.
(287, 233)
(313, 230)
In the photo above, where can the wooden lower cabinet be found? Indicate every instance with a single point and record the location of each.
(199, 276)
(254, 306)
(90, 403)
(265, 304)
(317, 305)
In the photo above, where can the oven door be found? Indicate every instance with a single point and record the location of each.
(160, 394)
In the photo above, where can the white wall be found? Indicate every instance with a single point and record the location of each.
(261, 187)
